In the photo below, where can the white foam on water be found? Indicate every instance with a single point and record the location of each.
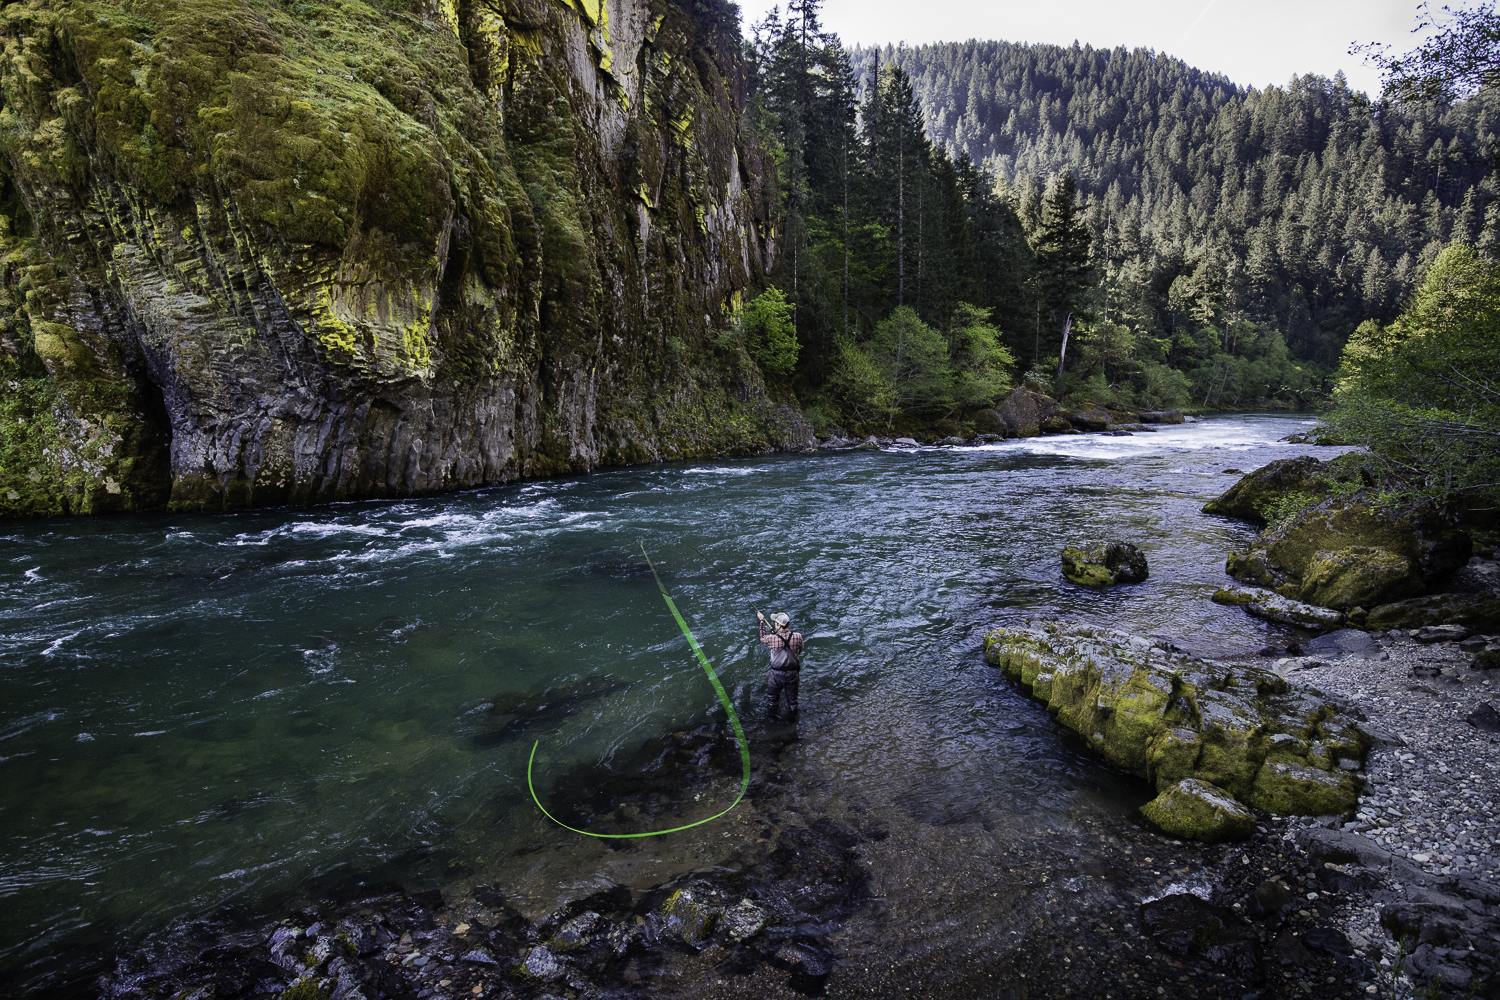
(723, 470)
(1171, 439)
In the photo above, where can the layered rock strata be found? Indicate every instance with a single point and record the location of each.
(278, 253)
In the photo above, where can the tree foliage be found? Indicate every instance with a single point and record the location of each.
(1423, 393)
(1211, 243)
(770, 335)
(1461, 58)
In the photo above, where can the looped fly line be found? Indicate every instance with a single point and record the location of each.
(734, 720)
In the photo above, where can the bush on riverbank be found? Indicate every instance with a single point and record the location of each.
(1423, 394)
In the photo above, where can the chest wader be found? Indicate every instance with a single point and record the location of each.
(786, 670)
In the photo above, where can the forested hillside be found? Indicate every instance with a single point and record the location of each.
(1196, 240)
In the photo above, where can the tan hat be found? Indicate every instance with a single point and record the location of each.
(781, 618)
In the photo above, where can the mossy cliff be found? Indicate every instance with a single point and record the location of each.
(1168, 717)
(274, 252)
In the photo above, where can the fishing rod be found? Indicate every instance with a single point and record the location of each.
(734, 720)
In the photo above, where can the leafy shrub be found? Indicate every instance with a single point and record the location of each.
(770, 335)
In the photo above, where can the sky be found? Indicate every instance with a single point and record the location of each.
(1253, 42)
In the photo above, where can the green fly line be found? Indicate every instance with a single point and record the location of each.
(734, 720)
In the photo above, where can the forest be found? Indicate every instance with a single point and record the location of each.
(1105, 224)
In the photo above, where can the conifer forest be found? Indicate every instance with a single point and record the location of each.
(1108, 224)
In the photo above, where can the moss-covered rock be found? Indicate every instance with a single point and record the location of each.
(1253, 498)
(1024, 411)
(1357, 576)
(1480, 612)
(1195, 810)
(1342, 553)
(1169, 717)
(1093, 418)
(1103, 564)
(1161, 417)
(301, 252)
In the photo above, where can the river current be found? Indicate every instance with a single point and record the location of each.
(203, 714)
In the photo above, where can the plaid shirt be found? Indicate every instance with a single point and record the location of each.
(777, 642)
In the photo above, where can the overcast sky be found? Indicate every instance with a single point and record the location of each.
(1253, 42)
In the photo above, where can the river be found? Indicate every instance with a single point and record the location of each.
(208, 713)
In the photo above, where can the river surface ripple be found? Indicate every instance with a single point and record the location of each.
(210, 711)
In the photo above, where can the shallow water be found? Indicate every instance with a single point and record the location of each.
(205, 711)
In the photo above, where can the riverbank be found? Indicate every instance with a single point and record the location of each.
(829, 899)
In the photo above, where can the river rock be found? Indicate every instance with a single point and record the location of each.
(1345, 640)
(1024, 411)
(1484, 718)
(1166, 716)
(1095, 418)
(1195, 810)
(1251, 498)
(988, 421)
(1480, 612)
(542, 965)
(1160, 416)
(1269, 901)
(1191, 927)
(1273, 607)
(1342, 554)
(1103, 564)
(1429, 634)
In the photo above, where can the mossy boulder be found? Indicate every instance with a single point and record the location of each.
(1253, 498)
(1480, 612)
(1094, 418)
(1104, 564)
(1357, 576)
(1342, 553)
(1168, 717)
(1024, 411)
(988, 421)
(1195, 810)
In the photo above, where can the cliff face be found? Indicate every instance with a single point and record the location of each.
(268, 252)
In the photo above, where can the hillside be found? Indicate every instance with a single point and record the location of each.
(1302, 205)
(1201, 241)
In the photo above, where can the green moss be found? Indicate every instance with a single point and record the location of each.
(304, 989)
(1168, 719)
(1293, 789)
(1197, 810)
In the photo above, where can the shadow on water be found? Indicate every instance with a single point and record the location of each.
(518, 716)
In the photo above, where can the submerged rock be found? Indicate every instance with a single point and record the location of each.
(1103, 564)
(1274, 608)
(1195, 810)
(1168, 717)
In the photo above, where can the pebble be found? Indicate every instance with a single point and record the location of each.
(1433, 797)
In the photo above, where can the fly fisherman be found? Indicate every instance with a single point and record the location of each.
(786, 661)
